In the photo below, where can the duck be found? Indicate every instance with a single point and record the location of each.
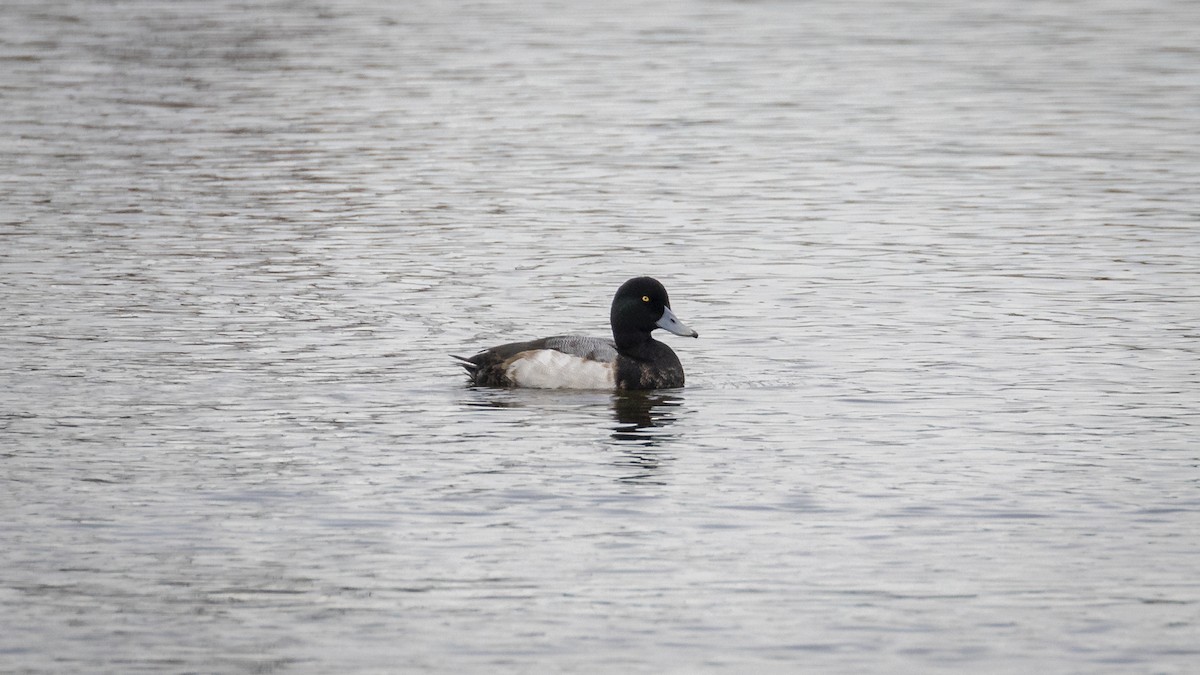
(632, 360)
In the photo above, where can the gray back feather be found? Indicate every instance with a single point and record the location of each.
(595, 349)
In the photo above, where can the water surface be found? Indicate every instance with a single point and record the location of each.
(942, 415)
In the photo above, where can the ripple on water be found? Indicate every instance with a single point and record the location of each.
(941, 414)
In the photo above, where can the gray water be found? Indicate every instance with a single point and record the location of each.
(942, 415)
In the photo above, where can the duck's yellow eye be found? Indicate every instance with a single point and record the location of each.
(645, 298)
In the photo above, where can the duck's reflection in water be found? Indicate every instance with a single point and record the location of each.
(641, 431)
(642, 422)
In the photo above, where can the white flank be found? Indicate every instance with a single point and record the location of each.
(549, 369)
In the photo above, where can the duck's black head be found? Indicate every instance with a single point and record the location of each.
(641, 305)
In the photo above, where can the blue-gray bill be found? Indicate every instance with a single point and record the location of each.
(670, 322)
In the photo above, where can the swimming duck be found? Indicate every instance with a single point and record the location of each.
(631, 360)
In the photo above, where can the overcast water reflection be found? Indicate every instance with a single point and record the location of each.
(941, 418)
